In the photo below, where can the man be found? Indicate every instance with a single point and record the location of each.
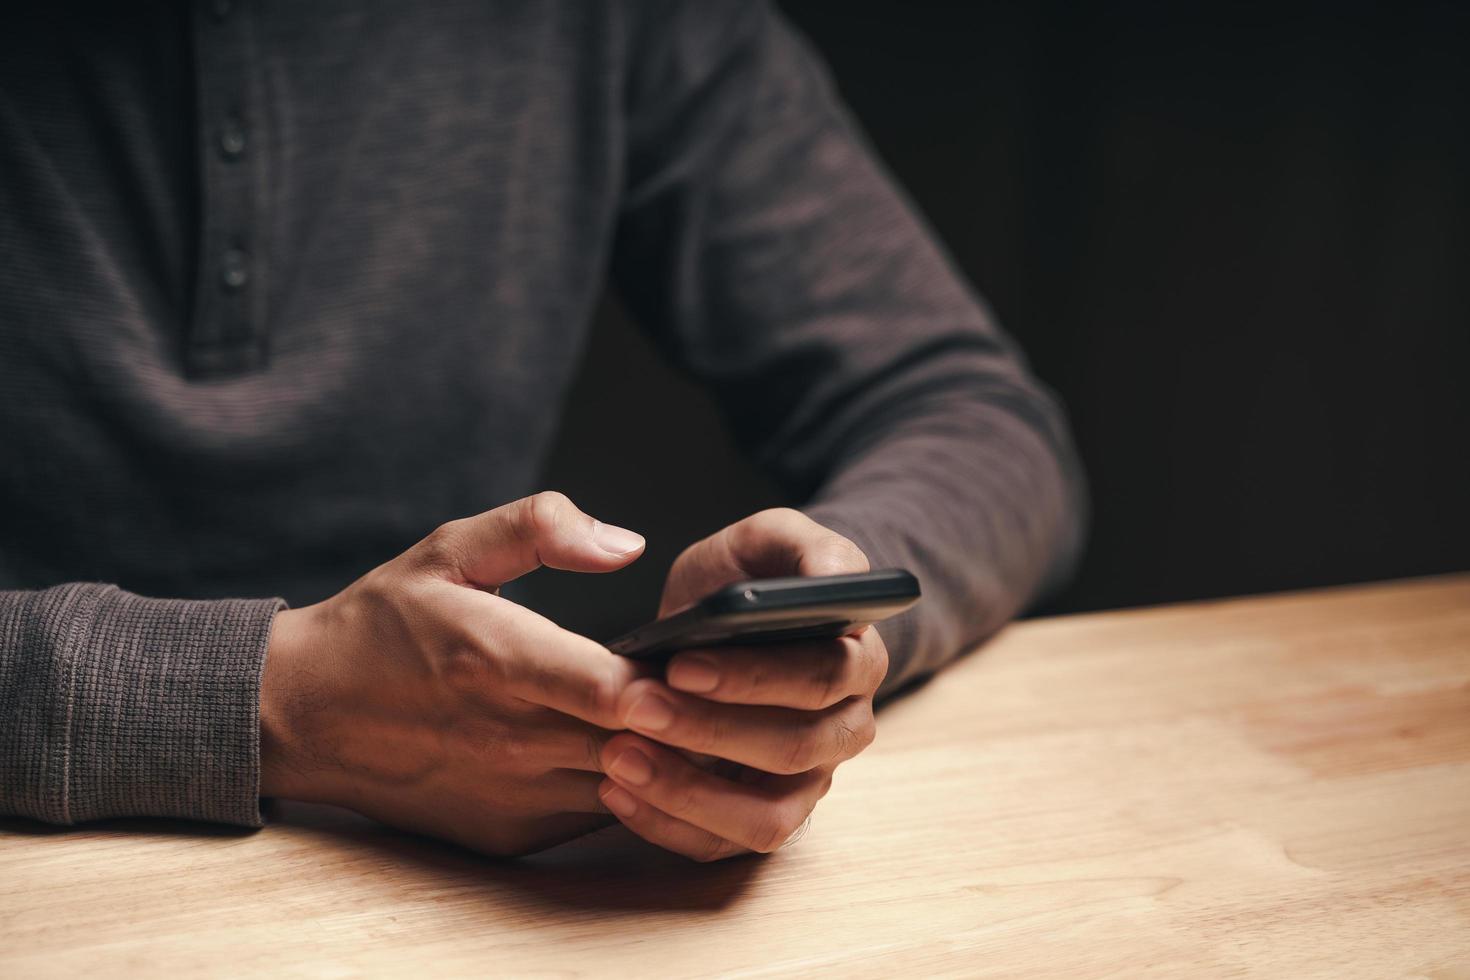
(285, 286)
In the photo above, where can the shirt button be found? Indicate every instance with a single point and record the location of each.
(234, 269)
(232, 140)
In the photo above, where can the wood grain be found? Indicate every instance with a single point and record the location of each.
(1265, 787)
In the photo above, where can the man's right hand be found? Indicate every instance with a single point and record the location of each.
(421, 698)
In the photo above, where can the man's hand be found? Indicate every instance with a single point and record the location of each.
(789, 714)
(419, 697)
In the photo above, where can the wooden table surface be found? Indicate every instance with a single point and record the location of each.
(1268, 787)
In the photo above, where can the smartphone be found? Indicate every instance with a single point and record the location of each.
(775, 610)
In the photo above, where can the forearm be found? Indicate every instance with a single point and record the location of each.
(768, 251)
(112, 704)
(985, 509)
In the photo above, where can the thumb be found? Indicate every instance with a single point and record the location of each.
(775, 542)
(492, 548)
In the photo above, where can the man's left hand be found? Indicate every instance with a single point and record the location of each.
(787, 714)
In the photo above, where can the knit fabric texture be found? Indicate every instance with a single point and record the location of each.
(286, 285)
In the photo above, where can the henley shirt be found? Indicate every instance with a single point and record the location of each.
(284, 285)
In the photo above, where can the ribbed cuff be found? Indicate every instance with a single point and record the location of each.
(151, 706)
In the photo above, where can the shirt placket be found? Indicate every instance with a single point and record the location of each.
(227, 331)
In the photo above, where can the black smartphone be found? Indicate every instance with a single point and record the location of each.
(775, 610)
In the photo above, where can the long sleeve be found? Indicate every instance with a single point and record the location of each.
(773, 259)
(116, 705)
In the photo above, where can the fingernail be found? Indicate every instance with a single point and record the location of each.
(615, 540)
(620, 802)
(696, 674)
(651, 712)
(632, 767)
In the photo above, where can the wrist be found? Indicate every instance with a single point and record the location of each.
(282, 759)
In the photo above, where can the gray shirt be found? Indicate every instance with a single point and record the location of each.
(285, 285)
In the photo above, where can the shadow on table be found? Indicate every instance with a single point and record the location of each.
(610, 870)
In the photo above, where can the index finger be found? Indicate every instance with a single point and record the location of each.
(537, 661)
(499, 545)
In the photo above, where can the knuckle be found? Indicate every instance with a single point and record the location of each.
(767, 836)
(611, 748)
(595, 741)
(833, 679)
(440, 547)
(380, 596)
(853, 735)
(497, 738)
(547, 510)
(441, 533)
(877, 656)
(625, 699)
(771, 522)
(602, 692)
(776, 517)
(466, 664)
(852, 732)
(837, 555)
(776, 828)
(853, 556)
(800, 753)
(845, 739)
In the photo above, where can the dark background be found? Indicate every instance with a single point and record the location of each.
(1235, 238)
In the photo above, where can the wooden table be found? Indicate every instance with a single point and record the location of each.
(1272, 787)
